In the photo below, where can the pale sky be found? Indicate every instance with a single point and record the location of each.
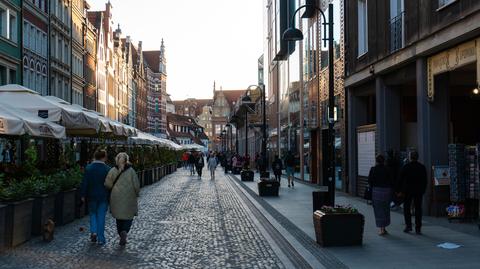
(206, 40)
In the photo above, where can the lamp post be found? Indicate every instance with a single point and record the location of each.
(229, 136)
(294, 34)
(246, 99)
(224, 140)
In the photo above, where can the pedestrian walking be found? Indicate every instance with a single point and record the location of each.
(414, 184)
(199, 164)
(277, 168)
(93, 190)
(290, 168)
(185, 160)
(123, 183)
(191, 163)
(381, 182)
(7, 154)
(212, 165)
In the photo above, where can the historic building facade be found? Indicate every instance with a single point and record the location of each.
(60, 49)
(90, 65)
(140, 88)
(156, 83)
(96, 18)
(35, 45)
(412, 74)
(10, 42)
(78, 26)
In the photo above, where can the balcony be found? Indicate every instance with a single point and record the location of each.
(397, 32)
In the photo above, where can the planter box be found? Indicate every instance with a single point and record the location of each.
(43, 209)
(80, 208)
(338, 229)
(140, 178)
(268, 188)
(65, 207)
(3, 213)
(236, 170)
(247, 175)
(18, 226)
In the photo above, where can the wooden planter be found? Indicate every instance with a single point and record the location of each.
(236, 170)
(3, 213)
(247, 175)
(18, 226)
(268, 188)
(43, 209)
(65, 207)
(338, 229)
(80, 207)
(140, 178)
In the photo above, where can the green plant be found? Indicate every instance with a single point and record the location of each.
(339, 209)
(31, 160)
(17, 191)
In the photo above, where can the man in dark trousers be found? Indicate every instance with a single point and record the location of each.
(414, 184)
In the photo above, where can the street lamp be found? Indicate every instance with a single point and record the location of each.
(224, 140)
(294, 34)
(229, 134)
(245, 100)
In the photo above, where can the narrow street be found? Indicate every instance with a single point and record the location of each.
(183, 223)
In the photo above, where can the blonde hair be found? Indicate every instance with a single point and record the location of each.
(123, 156)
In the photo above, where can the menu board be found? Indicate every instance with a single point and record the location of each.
(365, 152)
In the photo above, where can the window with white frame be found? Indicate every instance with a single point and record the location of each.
(362, 27)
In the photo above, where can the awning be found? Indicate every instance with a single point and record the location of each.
(27, 100)
(17, 122)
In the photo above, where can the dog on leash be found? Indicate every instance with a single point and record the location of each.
(48, 230)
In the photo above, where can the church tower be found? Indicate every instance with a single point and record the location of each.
(163, 60)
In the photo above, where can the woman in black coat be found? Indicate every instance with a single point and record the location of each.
(277, 167)
(381, 181)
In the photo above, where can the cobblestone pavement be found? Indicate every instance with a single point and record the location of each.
(183, 223)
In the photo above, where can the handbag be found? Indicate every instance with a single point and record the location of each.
(115, 182)
(368, 194)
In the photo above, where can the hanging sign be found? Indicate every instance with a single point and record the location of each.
(441, 175)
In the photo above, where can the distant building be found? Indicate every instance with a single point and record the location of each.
(140, 88)
(156, 84)
(191, 107)
(78, 52)
(96, 18)
(170, 105)
(223, 104)
(185, 130)
(35, 45)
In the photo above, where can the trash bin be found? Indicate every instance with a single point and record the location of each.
(320, 198)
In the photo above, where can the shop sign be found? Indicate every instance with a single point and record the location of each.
(2, 126)
(441, 175)
(452, 59)
(45, 130)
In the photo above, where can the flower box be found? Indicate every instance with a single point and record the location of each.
(338, 229)
(247, 175)
(268, 188)
(43, 209)
(3, 213)
(65, 207)
(18, 226)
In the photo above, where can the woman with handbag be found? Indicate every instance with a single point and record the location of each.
(124, 187)
(381, 182)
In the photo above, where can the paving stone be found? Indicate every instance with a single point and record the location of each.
(183, 223)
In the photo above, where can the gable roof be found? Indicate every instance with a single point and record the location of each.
(152, 58)
(231, 95)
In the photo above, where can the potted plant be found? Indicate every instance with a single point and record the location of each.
(43, 209)
(65, 200)
(246, 174)
(268, 187)
(3, 213)
(338, 226)
(18, 214)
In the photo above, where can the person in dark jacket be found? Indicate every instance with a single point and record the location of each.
(290, 168)
(93, 189)
(277, 167)
(414, 184)
(381, 182)
(191, 163)
(199, 164)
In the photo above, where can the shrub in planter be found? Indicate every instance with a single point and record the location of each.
(65, 200)
(338, 226)
(247, 175)
(44, 202)
(18, 215)
(3, 213)
(268, 188)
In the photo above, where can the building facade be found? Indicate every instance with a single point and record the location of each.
(78, 26)
(10, 42)
(156, 83)
(90, 65)
(140, 88)
(185, 130)
(96, 19)
(412, 75)
(60, 30)
(35, 45)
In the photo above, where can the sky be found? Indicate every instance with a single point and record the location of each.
(206, 41)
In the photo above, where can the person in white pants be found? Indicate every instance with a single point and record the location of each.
(212, 165)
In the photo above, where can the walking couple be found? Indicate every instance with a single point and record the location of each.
(118, 187)
(412, 187)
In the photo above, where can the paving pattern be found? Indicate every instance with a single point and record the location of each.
(183, 223)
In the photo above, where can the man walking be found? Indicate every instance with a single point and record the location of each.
(414, 184)
(212, 165)
(191, 163)
(93, 189)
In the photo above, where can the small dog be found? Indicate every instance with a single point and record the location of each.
(48, 230)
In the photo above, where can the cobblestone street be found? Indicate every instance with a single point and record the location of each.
(183, 223)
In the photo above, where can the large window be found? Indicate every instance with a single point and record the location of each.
(8, 23)
(362, 27)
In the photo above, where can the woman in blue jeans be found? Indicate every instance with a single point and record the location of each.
(93, 190)
(123, 182)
